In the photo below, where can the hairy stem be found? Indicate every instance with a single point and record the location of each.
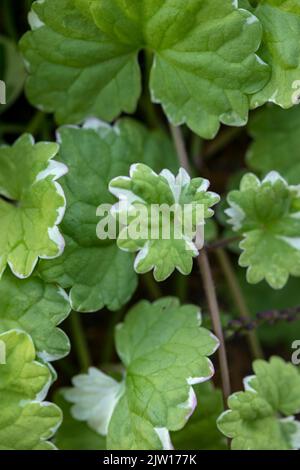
(180, 147)
(79, 341)
(223, 243)
(239, 300)
(207, 280)
(210, 291)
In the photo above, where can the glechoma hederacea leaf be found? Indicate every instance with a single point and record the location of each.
(37, 308)
(74, 434)
(26, 421)
(164, 351)
(276, 142)
(266, 213)
(201, 430)
(145, 188)
(280, 48)
(253, 420)
(204, 66)
(97, 271)
(32, 204)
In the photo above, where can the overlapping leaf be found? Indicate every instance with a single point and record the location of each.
(32, 204)
(74, 434)
(280, 20)
(12, 72)
(96, 271)
(267, 215)
(37, 308)
(164, 351)
(201, 431)
(253, 420)
(26, 421)
(276, 144)
(203, 69)
(161, 249)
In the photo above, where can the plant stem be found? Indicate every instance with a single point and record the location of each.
(222, 243)
(239, 300)
(216, 321)
(151, 286)
(223, 139)
(207, 281)
(79, 341)
(108, 350)
(36, 122)
(180, 147)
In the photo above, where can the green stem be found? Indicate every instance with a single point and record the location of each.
(35, 124)
(223, 139)
(79, 341)
(182, 287)
(151, 286)
(8, 20)
(109, 348)
(239, 300)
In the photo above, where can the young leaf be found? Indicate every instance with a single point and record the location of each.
(276, 142)
(96, 271)
(280, 48)
(37, 308)
(266, 213)
(32, 204)
(144, 189)
(26, 422)
(165, 351)
(201, 431)
(74, 434)
(204, 63)
(253, 420)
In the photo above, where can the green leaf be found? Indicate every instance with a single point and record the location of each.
(163, 349)
(26, 421)
(12, 71)
(201, 431)
(280, 48)
(203, 70)
(37, 308)
(253, 420)
(266, 213)
(32, 204)
(139, 195)
(74, 434)
(96, 271)
(276, 142)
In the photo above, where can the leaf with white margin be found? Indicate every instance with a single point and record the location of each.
(26, 421)
(97, 273)
(74, 434)
(95, 396)
(205, 63)
(163, 252)
(164, 351)
(201, 432)
(276, 142)
(32, 204)
(37, 308)
(253, 420)
(267, 214)
(280, 48)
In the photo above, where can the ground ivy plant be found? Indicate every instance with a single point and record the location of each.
(133, 195)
